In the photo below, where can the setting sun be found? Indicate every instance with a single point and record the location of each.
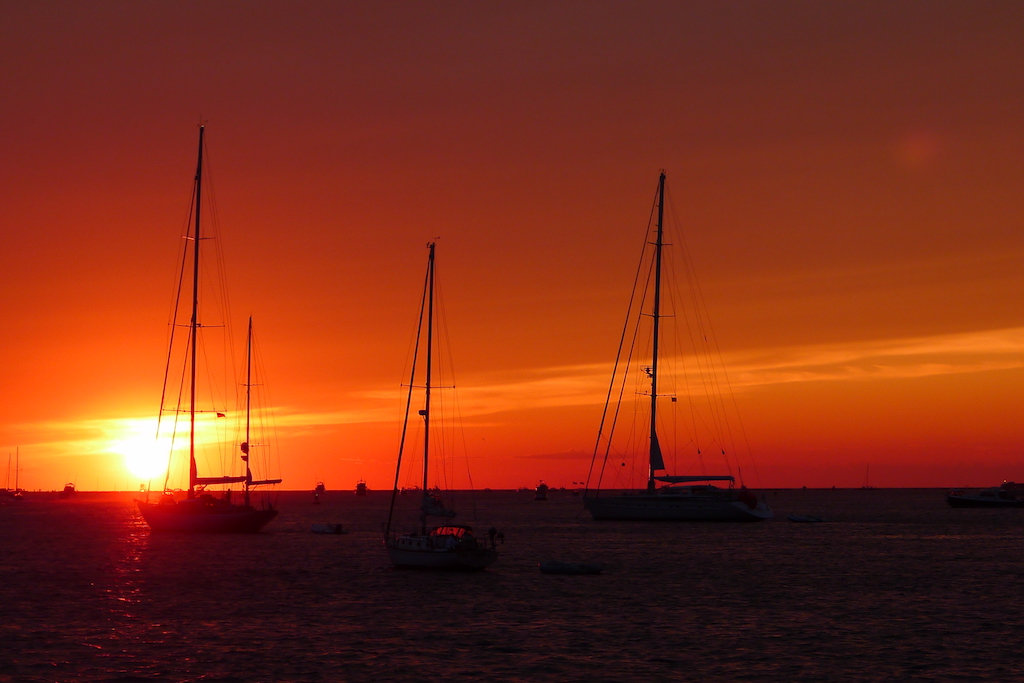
(144, 456)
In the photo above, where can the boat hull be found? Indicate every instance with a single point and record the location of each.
(655, 507)
(805, 519)
(221, 519)
(445, 553)
(968, 501)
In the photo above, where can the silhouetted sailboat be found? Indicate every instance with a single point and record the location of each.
(18, 494)
(867, 477)
(200, 511)
(683, 497)
(449, 546)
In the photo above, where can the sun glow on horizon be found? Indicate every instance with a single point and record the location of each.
(144, 455)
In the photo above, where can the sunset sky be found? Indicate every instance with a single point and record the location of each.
(848, 176)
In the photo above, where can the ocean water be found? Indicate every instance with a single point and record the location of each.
(897, 586)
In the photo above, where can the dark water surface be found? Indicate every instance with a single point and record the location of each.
(897, 587)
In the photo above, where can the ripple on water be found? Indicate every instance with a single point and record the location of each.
(899, 587)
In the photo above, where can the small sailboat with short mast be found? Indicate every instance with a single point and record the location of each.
(448, 546)
(200, 511)
(680, 497)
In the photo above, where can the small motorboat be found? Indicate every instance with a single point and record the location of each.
(361, 488)
(573, 568)
(541, 492)
(806, 519)
(69, 490)
(1009, 495)
(334, 529)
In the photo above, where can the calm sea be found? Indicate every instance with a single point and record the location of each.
(897, 587)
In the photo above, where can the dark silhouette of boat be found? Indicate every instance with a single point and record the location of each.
(806, 519)
(200, 511)
(449, 546)
(17, 494)
(1008, 495)
(666, 497)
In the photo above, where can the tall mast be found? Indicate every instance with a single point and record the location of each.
(656, 460)
(430, 356)
(194, 327)
(17, 469)
(248, 408)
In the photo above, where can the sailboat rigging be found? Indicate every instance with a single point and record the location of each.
(201, 511)
(18, 493)
(681, 497)
(248, 445)
(449, 546)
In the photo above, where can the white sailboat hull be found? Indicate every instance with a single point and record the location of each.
(426, 552)
(656, 507)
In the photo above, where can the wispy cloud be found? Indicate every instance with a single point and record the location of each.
(887, 359)
(881, 359)
(587, 384)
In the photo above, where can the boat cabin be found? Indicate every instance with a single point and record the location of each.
(456, 530)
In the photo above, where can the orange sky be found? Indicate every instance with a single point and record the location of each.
(848, 176)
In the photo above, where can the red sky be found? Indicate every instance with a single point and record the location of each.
(847, 176)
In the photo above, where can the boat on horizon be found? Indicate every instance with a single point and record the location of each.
(200, 511)
(452, 547)
(1007, 495)
(541, 492)
(867, 478)
(17, 493)
(806, 519)
(361, 488)
(68, 491)
(666, 497)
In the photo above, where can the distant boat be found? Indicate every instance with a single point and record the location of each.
(806, 519)
(448, 546)
(18, 493)
(867, 478)
(69, 490)
(335, 529)
(201, 511)
(541, 492)
(1008, 495)
(361, 488)
(682, 498)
